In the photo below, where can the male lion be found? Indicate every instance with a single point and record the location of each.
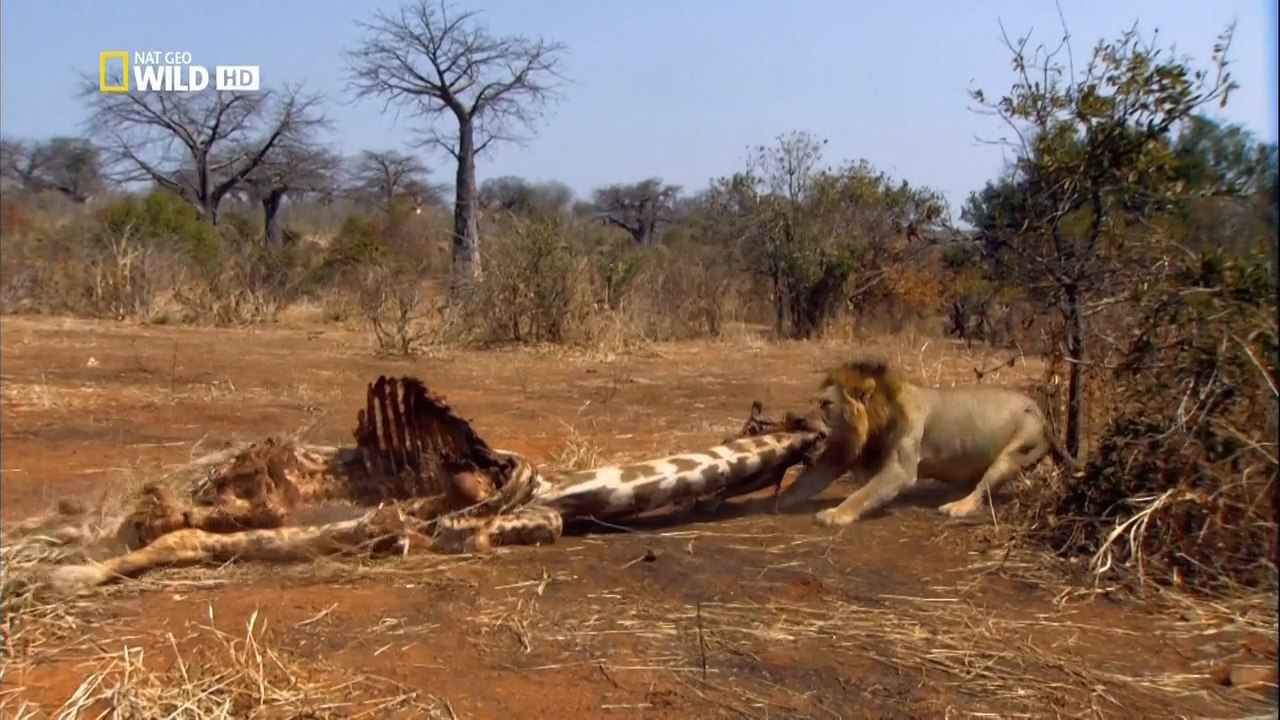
(889, 432)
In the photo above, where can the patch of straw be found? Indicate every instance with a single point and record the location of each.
(577, 452)
(238, 675)
(1012, 665)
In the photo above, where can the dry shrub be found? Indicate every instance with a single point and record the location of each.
(73, 270)
(549, 279)
(536, 286)
(677, 290)
(1181, 488)
(123, 275)
(683, 292)
(252, 284)
(394, 301)
(378, 268)
(149, 258)
(897, 297)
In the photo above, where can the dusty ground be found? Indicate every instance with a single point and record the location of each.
(905, 615)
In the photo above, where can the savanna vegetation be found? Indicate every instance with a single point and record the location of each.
(1132, 241)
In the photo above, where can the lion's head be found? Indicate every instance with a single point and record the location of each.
(859, 406)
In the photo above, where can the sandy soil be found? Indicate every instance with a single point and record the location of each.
(904, 615)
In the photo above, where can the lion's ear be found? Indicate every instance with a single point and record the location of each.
(848, 398)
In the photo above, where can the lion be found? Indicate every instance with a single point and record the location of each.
(889, 432)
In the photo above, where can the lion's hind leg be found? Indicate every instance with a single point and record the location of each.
(1006, 466)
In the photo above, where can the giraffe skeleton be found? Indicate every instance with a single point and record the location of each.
(532, 511)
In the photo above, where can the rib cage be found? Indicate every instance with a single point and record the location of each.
(411, 437)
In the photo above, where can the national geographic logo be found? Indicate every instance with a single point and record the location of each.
(170, 71)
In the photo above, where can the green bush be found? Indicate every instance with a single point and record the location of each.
(163, 220)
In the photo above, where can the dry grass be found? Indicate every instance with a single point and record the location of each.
(576, 452)
(45, 396)
(944, 634)
(1014, 666)
(229, 676)
(34, 624)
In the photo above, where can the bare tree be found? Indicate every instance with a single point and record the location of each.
(199, 145)
(17, 164)
(638, 208)
(388, 174)
(444, 64)
(291, 169)
(519, 196)
(69, 165)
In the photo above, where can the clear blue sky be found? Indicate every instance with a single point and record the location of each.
(677, 90)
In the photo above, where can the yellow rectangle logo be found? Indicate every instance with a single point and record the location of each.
(103, 84)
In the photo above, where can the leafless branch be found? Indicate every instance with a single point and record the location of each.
(436, 61)
(389, 174)
(199, 145)
(69, 165)
(471, 87)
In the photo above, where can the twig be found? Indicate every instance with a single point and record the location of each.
(702, 643)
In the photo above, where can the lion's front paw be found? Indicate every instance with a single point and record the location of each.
(832, 518)
(961, 508)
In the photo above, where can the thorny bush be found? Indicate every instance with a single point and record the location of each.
(1182, 487)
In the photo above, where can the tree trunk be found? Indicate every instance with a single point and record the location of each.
(1075, 375)
(647, 221)
(648, 228)
(206, 199)
(205, 206)
(466, 232)
(779, 306)
(271, 216)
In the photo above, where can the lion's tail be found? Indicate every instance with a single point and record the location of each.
(1060, 454)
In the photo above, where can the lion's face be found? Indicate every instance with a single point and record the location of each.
(829, 410)
(842, 417)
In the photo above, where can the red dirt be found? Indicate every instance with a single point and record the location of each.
(616, 624)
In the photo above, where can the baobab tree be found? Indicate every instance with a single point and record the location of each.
(200, 145)
(385, 175)
(473, 89)
(639, 208)
(290, 169)
(521, 197)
